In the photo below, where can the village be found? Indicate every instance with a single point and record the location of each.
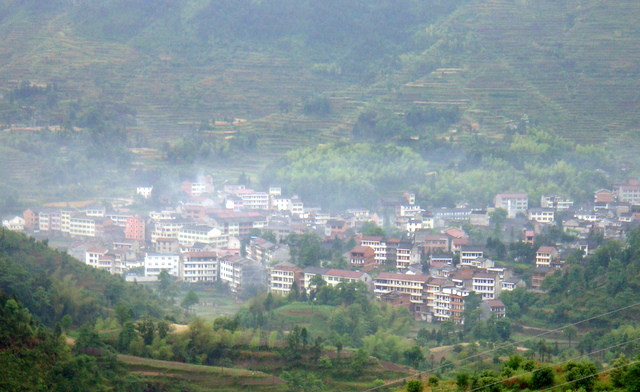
(432, 259)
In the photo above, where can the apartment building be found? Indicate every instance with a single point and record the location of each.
(191, 234)
(512, 202)
(449, 305)
(470, 253)
(556, 202)
(154, 263)
(413, 285)
(281, 278)
(135, 228)
(199, 267)
(486, 284)
(405, 255)
(545, 256)
(241, 273)
(363, 257)
(542, 215)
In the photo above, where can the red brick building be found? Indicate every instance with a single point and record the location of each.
(135, 228)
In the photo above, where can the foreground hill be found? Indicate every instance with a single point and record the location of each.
(52, 284)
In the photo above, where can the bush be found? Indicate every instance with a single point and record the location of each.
(414, 386)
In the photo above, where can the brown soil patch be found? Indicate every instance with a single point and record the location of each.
(393, 367)
(178, 328)
(444, 348)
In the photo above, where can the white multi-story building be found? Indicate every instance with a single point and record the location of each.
(85, 226)
(14, 224)
(92, 256)
(468, 254)
(199, 266)
(545, 256)
(144, 191)
(95, 211)
(556, 202)
(163, 215)
(255, 200)
(512, 202)
(487, 285)
(240, 273)
(282, 277)
(629, 193)
(65, 220)
(542, 215)
(413, 285)
(275, 191)
(49, 220)
(405, 255)
(297, 206)
(379, 246)
(154, 263)
(189, 235)
(166, 229)
(449, 304)
(409, 211)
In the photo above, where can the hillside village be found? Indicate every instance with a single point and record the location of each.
(429, 262)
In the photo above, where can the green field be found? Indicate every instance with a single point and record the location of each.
(201, 378)
(213, 304)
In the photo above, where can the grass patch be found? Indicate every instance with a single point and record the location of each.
(213, 304)
(202, 378)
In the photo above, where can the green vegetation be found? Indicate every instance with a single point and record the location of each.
(55, 286)
(474, 170)
(431, 75)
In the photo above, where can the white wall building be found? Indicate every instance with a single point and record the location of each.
(199, 267)
(154, 263)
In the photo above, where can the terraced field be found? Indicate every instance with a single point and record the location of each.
(570, 66)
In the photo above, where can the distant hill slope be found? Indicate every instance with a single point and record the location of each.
(567, 65)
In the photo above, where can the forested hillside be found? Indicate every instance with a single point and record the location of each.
(569, 65)
(55, 286)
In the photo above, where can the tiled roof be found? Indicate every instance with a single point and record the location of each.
(344, 273)
(396, 276)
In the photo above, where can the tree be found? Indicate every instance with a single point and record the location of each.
(225, 363)
(583, 374)
(189, 300)
(498, 216)
(146, 328)
(370, 229)
(619, 372)
(542, 378)
(294, 293)
(302, 382)
(462, 381)
(414, 356)
(123, 313)
(126, 336)
(632, 378)
(270, 236)
(304, 337)
(570, 332)
(414, 386)
(166, 285)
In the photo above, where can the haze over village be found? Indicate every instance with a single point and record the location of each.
(314, 196)
(426, 259)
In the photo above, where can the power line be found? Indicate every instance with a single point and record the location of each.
(555, 364)
(507, 344)
(589, 376)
